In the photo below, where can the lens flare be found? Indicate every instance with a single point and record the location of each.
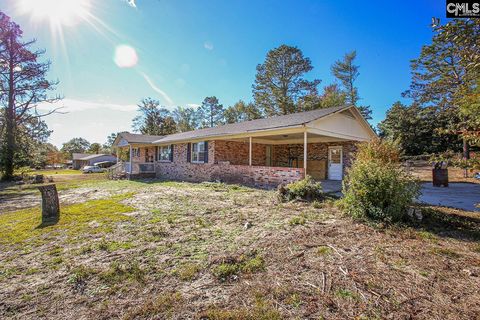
(58, 13)
(125, 56)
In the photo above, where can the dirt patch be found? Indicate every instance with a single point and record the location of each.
(16, 197)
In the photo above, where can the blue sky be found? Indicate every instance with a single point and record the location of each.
(188, 50)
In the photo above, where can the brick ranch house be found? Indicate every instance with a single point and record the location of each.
(263, 152)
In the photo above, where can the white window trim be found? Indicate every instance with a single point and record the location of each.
(169, 147)
(192, 153)
(136, 152)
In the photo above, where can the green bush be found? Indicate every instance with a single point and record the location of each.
(305, 189)
(376, 187)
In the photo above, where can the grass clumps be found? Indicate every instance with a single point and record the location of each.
(446, 252)
(230, 268)
(376, 187)
(305, 189)
(261, 310)
(79, 276)
(162, 307)
(324, 250)
(187, 272)
(346, 294)
(120, 272)
(111, 246)
(299, 220)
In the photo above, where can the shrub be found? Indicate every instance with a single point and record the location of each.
(305, 189)
(376, 187)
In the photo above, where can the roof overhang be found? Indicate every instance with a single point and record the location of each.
(255, 133)
(285, 130)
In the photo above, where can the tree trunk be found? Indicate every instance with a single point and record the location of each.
(10, 121)
(466, 155)
(50, 204)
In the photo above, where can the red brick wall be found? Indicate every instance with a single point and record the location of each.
(181, 169)
(260, 176)
(237, 152)
(143, 151)
(238, 170)
(315, 151)
(257, 176)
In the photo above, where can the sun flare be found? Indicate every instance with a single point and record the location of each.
(57, 12)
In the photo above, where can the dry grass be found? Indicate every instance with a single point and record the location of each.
(182, 251)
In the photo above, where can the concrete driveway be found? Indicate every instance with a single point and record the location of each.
(456, 195)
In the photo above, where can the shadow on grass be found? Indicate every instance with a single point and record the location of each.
(47, 223)
(450, 223)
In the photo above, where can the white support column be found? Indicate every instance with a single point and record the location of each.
(250, 151)
(130, 166)
(305, 152)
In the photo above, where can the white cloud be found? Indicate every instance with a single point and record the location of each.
(164, 95)
(93, 121)
(208, 45)
(131, 3)
(72, 105)
(193, 105)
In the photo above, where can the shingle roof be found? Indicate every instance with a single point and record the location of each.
(79, 156)
(289, 120)
(88, 156)
(138, 138)
(93, 156)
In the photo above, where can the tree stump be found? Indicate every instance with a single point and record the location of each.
(50, 204)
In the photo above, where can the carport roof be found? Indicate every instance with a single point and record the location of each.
(138, 138)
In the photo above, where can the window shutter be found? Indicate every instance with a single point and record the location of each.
(171, 153)
(156, 153)
(206, 153)
(189, 150)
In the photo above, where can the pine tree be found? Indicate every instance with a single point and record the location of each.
(186, 119)
(280, 83)
(447, 72)
(210, 113)
(241, 111)
(154, 119)
(347, 72)
(23, 87)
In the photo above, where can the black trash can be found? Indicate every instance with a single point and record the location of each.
(440, 175)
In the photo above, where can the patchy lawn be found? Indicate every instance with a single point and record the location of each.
(54, 172)
(156, 250)
(72, 189)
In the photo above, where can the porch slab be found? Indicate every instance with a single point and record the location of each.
(332, 186)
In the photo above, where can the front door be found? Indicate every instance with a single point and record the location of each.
(335, 163)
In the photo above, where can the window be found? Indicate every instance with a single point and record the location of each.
(164, 153)
(135, 152)
(198, 152)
